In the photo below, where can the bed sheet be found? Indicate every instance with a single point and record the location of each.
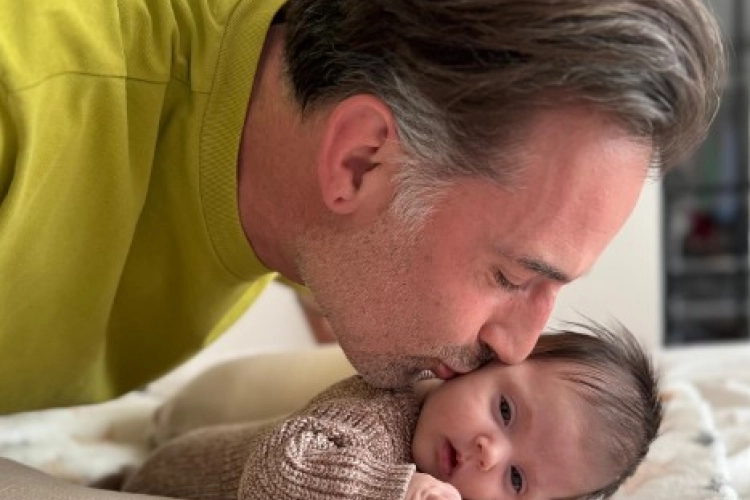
(703, 452)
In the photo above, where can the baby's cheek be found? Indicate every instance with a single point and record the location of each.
(475, 486)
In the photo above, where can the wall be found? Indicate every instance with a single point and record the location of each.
(275, 322)
(626, 282)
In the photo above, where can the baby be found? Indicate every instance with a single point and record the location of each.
(573, 421)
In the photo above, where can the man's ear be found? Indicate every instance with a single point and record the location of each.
(356, 155)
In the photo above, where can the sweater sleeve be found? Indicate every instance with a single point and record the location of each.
(205, 464)
(303, 458)
(315, 458)
(352, 442)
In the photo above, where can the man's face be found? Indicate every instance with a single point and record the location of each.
(509, 432)
(482, 274)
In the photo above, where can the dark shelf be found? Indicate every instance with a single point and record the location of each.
(705, 216)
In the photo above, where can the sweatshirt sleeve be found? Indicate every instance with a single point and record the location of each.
(315, 458)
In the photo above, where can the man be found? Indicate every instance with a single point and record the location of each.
(433, 170)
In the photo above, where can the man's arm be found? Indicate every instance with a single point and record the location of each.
(24, 483)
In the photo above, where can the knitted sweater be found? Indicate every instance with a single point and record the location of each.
(352, 441)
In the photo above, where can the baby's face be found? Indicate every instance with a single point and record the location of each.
(506, 432)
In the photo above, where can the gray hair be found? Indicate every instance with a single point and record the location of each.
(464, 77)
(615, 376)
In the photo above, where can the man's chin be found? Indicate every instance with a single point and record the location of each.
(391, 377)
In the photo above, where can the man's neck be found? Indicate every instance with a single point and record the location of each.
(274, 164)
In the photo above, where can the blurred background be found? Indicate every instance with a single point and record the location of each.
(705, 213)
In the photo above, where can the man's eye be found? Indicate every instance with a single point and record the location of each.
(504, 282)
(516, 479)
(506, 412)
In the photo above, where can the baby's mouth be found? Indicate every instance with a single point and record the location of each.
(448, 459)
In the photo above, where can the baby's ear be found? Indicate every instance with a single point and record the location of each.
(423, 387)
(666, 395)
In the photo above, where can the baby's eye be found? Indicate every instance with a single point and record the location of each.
(516, 479)
(506, 412)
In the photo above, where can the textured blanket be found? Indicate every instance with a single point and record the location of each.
(689, 459)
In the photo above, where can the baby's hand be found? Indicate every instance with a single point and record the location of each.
(425, 487)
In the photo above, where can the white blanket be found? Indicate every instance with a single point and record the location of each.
(84, 443)
(703, 452)
(689, 460)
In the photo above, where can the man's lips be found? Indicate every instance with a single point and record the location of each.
(444, 372)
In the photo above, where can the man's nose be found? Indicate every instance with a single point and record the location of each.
(491, 452)
(515, 326)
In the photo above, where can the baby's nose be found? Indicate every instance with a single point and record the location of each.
(490, 452)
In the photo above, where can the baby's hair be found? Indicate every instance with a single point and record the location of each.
(616, 377)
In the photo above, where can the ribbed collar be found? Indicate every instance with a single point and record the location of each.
(238, 59)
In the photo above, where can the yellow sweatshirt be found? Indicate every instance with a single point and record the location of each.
(121, 250)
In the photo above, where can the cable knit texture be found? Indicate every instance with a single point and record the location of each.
(352, 441)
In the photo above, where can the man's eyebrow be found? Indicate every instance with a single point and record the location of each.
(546, 270)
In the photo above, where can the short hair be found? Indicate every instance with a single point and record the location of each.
(616, 377)
(464, 79)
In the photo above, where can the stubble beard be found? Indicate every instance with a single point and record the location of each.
(361, 282)
(397, 370)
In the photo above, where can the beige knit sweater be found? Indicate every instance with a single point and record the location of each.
(351, 441)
